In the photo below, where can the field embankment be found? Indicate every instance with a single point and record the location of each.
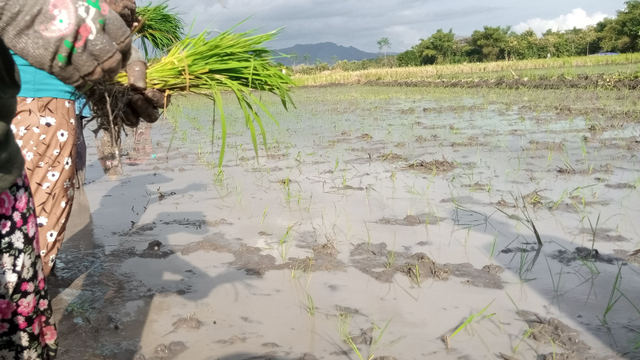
(615, 72)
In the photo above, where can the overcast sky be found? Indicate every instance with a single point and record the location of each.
(361, 23)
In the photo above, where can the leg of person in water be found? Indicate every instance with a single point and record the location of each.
(46, 134)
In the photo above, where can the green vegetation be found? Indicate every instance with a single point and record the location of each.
(617, 67)
(235, 62)
(491, 44)
(159, 29)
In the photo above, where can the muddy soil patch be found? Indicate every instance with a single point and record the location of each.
(567, 257)
(412, 220)
(605, 235)
(197, 224)
(382, 264)
(595, 81)
(632, 257)
(556, 333)
(438, 166)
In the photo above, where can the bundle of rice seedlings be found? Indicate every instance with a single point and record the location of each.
(160, 28)
(234, 62)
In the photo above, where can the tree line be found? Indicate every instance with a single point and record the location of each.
(618, 34)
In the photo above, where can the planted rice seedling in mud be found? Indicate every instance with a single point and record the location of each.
(527, 221)
(367, 337)
(493, 246)
(285, 243)
(465, 324)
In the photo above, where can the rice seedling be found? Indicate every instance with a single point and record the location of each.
(234, 62)
(466, 323)
(368, 234)
(613, 300)
(311, 306)
(285, 243)
(493, 246)
(159, 29)
(391, 257)
(344, 321)
(560, 199)
(527, 221)
(594, 231)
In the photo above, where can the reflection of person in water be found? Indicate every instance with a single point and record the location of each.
(142, 146)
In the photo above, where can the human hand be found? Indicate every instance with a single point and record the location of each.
(127, 11)
(78, 41)
(144, 103)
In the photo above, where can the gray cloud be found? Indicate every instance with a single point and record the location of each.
(361, 23)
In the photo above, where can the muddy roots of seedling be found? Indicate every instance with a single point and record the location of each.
(108, 102)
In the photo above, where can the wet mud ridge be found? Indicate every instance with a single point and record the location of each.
(382, 264)
(600, 81)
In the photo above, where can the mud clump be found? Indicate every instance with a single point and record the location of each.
(475, 277)
(547, 145)
(493, 269)
(197, 224)
(604, 235)
(620, 186)
(349, 310)
(392, 157)
(365, 137)
(187, 323)
(326, 249)
(235, 339)
(165, 352)
(567, 257)
(412, 220)
(153, 251)
(154, 245)
(381, 264)
(204, 245)
(253, 262)
(438, 166)
(631, 257)
(554, 332)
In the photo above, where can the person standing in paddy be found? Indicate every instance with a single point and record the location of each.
(45, 129)
(39, 31)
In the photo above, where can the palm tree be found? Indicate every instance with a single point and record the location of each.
(384, 44)
(294, 57)
(334, 59)
(306, 58)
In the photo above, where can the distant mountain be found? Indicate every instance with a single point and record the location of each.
(323, 51)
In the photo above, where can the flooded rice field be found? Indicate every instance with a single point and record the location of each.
(387, 223)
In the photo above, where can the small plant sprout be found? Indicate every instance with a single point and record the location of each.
(285, 243)
(264, 214)
(493, 246)
(613, 297)
(467, 322)
(391, 257)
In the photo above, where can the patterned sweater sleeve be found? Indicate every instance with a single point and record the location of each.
(78, 41)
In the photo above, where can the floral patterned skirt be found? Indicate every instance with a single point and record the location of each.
(26, 317)
(45, 129)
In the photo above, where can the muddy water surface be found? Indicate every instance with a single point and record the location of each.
(386, 217)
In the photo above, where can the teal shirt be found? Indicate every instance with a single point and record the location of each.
(37, 83)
